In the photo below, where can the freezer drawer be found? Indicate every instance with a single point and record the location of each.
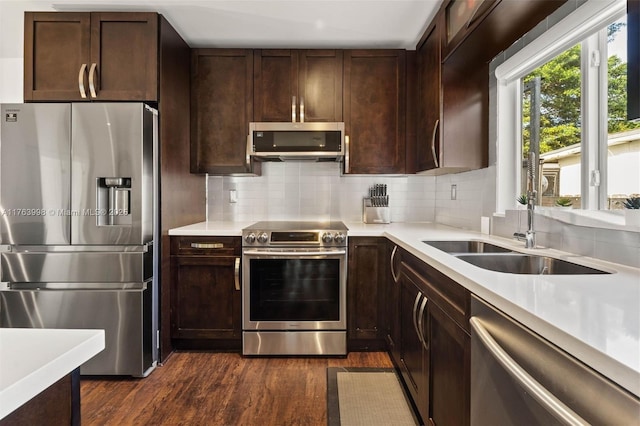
(67, 266)
(124, 315)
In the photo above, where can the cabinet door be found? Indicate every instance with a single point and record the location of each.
(221, 109)
(461, 18)
(375, 111)
(56, 45)
(365, 293)
(124, 49)
(393, 302)
(449, 369)
(428, 101)
(320, 85)
(276, 83)
(298, 85)
(206, 298)
(414, 355)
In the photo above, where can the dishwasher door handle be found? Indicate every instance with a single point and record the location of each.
(552, 404)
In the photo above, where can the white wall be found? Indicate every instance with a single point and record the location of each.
(11, 46)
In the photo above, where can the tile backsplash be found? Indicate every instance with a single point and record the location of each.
(318, 191)
(300, 190)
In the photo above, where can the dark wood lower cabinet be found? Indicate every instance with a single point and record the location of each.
(435, 344)
(414, 354)
(206, 309)
(449, 367)
(366, 283)
(59, 404)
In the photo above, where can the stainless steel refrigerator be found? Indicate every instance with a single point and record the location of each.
(78, 216)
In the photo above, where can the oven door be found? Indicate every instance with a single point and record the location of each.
(294, 289)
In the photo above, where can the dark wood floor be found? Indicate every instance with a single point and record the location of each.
(204, 388)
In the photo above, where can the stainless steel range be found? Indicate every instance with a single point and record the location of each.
(294, 278)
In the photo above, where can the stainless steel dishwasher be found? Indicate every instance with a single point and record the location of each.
(518, 378)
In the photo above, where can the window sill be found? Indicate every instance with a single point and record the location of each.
(605, 219)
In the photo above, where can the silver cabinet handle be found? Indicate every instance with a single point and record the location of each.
(236, 275)
(545, 398)
(301, 109)
(433, 143)
(415, 315)
(92, 75)
(347, 165)
(423, 339)
(207, 245)
(248, 152)
(293, 109)
(393, 256)
(83, 70)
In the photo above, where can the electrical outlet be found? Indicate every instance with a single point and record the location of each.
(233, 196)
(454, 192)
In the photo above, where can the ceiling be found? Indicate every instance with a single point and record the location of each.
(264, 23)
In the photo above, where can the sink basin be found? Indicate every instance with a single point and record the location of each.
(468, 246)
(518, 263)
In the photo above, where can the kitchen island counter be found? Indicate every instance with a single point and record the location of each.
(593, 317)
(32, 359)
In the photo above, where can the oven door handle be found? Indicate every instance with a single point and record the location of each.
(292, 253)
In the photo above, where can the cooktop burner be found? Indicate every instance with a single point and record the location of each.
(278, 225)
(292, 233)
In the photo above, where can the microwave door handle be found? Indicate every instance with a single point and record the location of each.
(347, 163)
(546, 399)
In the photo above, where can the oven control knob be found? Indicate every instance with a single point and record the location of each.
(251, 238)
(327, 237)
(263, 238)
(339, 238)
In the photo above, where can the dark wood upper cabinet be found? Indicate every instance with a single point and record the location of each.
(297, 85)
(461, 17)
(633, 59)
(221, 109)
(91, 56)
(374, 99)
(429, 100)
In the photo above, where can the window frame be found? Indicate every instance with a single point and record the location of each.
(575, 27)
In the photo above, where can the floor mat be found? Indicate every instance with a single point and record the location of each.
(366, 396)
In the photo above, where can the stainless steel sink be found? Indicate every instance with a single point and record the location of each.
(467, 246)
(518, 263)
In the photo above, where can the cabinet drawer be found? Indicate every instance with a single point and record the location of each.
(206, 246)
(450, 296)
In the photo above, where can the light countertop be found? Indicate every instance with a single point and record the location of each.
(596, 318)
(32, 359)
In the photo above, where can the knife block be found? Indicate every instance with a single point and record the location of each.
(371, 214)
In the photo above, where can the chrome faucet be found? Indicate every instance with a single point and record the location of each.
(529, 237)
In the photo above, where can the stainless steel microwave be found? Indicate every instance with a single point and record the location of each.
(296, 141)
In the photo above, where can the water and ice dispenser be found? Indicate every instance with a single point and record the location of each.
(114, 201)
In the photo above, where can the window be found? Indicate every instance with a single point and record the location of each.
(564, 96)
